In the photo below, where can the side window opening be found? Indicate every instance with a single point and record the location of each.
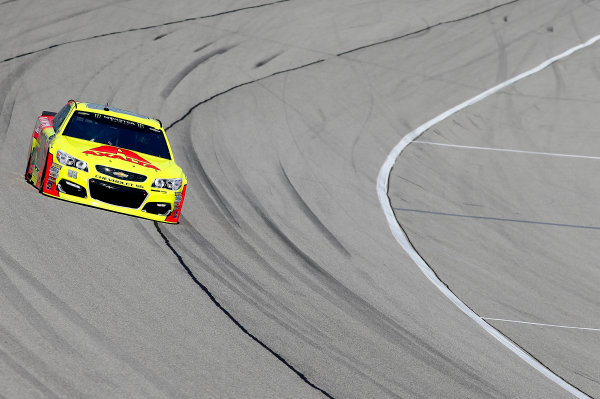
(60, 117)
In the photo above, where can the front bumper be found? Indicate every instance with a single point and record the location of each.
(101, 191)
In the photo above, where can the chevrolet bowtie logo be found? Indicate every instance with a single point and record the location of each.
(120, 175)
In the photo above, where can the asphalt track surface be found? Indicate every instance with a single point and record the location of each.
(283, 278)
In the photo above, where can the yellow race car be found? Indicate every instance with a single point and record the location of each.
(108, 158)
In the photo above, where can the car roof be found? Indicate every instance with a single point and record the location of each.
(119, 113)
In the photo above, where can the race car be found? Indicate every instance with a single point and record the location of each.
(107, 158)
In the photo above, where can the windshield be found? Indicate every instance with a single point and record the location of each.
(105, 129)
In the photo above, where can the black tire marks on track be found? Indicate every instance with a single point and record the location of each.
(427, 28)
(179, 21)
(159, 383)
(312, 216)
(189, 111)
(174, 82)
(417, 345)
(233, 319)
(169, 89)
(266, 60)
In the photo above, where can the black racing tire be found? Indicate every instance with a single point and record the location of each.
(41, 189)
(27, 175)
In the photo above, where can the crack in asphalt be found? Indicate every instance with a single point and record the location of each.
(179, 21)
(233, 319)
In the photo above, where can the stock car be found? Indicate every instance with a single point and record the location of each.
(107, 158)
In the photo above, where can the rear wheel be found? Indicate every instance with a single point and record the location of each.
(27, 174)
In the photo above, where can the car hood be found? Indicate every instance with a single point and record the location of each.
(120, 158)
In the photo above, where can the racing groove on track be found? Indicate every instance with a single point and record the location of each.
(282, 175)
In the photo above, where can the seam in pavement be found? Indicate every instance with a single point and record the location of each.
(497, 219)
(233, 319)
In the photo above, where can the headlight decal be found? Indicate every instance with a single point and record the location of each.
(169, 184)
(65, 159)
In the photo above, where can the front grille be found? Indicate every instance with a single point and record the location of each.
(115, 194)
(120, 174)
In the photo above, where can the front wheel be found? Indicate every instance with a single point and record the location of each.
(43, 177)
(27, 174)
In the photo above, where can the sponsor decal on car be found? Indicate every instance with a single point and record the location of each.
(117, 181)
(54, 169)
(120, 153)
(42, 124)
(177, 200)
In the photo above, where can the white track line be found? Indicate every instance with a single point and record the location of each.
(382, 189)
(469, 147)
(542, 324)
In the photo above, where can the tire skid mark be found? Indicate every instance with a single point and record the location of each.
(312, 216)
(295, 329)
(209, 188)
(482, 12)
(158, 382)
(233, 319)
(315, 286)
(427, 28)
(267, 60)
(191, 109)
(27, 376)
(179, 21)
(174, 82)
(20, 302)
(203, 47)
(417, 346)
(160, 36)
(219, 258)
(37, 364)
(6, 111)
(237, 238)
(379, 323)
(8, 91)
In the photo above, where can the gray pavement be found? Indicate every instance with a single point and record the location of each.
(282, 223)
(500, 199)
